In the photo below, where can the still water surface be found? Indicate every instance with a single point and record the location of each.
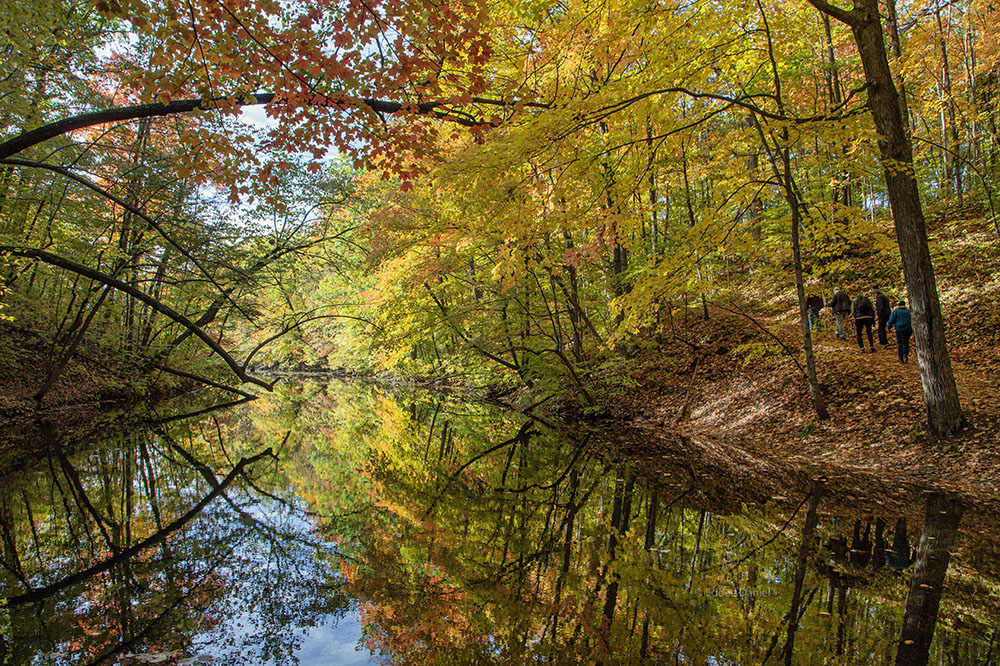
(346, 524)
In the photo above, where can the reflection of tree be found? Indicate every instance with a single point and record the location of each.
(134, 545)
(941, 518)
(793, 617)
(122, 555)
(487, 548)
(470, 536)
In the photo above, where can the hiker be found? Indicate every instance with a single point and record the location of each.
(841, 305)
(864, 318)
(882, 310)
(815, 304)
(900, 322)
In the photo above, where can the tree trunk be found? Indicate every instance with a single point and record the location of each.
(892, 23)
(691, 225)
(944, 412)
(653, 193)
(815, 390)
(791, 194)
(949, 124)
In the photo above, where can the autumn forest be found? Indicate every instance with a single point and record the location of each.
(510, 328)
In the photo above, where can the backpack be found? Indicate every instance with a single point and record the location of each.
(863, 307)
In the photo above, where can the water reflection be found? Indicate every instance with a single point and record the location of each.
(147, 546)
(439, 532)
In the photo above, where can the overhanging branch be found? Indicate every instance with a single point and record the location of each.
(132, 209)
(103, 278)
(439, 110)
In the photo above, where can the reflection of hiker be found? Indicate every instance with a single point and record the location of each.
(864, 318)
(841, 305)
(900, 322)
(900, 556)
(882, 310)
(815, 304)
(838, 548)
(878, 550)
(861, 547)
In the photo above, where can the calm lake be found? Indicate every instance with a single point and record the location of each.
(334, 523)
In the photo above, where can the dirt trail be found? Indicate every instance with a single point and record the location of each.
(877, 425)
(978, 387)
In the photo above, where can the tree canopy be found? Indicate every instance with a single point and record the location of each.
(530, 192)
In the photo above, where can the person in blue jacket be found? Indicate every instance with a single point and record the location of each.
(900, 322)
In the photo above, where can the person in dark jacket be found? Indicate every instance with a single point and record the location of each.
(882, 312)
(841, 305)
(900, 322)
(815, 304)
(864, 318)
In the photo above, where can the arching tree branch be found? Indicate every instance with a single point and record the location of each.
(291, 327)
(51, 130)
(165, 310)
(132, 209)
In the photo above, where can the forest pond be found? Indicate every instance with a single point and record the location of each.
(351, 524)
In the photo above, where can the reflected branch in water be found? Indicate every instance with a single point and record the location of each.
(152, 625)
(621, 515)
(201, 412)
(127, 553)
(203, 380)
(274, 537)
(577, 452)
(522, 435)
(797, 608)
(79, 494)
(753, 551)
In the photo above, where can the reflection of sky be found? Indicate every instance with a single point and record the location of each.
(281, 572)
(332, 641)
(337, 644)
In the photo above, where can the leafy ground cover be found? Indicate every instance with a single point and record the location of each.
(730, 381)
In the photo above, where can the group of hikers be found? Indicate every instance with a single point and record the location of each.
(865, 316)
(862, 552)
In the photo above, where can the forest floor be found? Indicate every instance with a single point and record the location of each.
(877, 424)
(90, 381)
(747, 399)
